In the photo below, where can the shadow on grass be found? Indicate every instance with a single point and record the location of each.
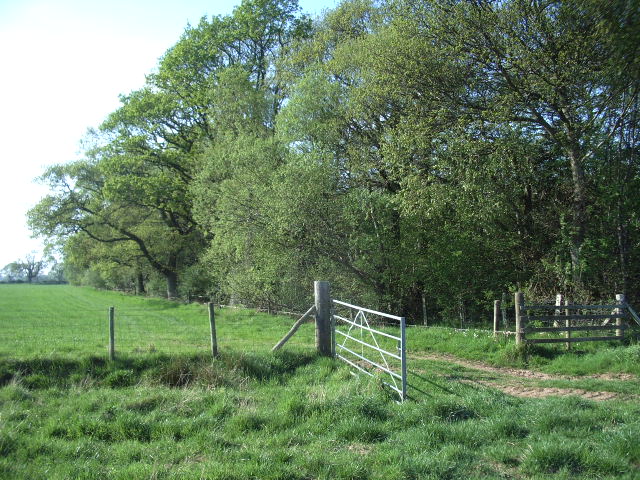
(230, 368)
(438, 386)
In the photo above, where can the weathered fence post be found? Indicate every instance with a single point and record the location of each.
(620, 300)
(519, 299)
(557, 310)
(212, 324)
(496, 317)
(324, 335)
(567, 323)
(112, 336)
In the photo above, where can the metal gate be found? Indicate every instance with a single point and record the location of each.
(353, 331)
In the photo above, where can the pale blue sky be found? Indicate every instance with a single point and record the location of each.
(62, 65)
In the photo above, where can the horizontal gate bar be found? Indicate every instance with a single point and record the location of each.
(354, 365)
(531, 318)
(392, 387)
(570, 307)
(573, 339)
(395, 317)
(384, 369)
(366, 328)
(585, 328)
(369, 345)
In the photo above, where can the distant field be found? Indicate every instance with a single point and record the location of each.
(163, 409)
(62, 320)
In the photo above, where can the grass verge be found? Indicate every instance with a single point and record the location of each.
(292, 416)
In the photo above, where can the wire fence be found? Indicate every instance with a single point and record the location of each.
(142, 331)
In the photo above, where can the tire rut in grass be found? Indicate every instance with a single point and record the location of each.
(522, 391)
(518, 389)
(518, 372)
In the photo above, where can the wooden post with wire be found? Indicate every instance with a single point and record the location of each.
(112, 335)
(620, 300)
(212, 324)
(496, 317)
(557, 311)
(324, 334)
(567, 324)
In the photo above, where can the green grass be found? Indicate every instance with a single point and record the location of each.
(57, 320)
(176, 414)
(584, 358)
(292, 416)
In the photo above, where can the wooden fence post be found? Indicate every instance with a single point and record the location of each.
(212, 324)
(496, 317)
(112, 336)
(324, 334)
(519, 299)
(567, 323)
(557, 310)
(620, 300)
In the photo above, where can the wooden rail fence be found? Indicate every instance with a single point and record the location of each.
(603, 322)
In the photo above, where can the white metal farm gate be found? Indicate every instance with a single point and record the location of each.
(356, 341)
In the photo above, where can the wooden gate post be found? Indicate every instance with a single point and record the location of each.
(620, 300)
(112, 336)
(496, 317)
(519, 299)
(324, 333)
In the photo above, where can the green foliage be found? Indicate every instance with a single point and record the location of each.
(439, 152)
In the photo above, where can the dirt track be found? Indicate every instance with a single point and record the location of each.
(513, 383)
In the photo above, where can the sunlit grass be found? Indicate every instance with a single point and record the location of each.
(173, 412)
(65, 320)
(584, 358)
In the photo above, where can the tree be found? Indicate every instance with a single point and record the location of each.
(29, 267)
(134, 185)
(521, 65)
(89, 198)
(12, 271)
(57, 273)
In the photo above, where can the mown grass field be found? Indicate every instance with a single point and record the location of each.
(164, 409)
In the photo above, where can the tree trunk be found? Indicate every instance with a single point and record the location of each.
(172, 284)
(623, 257)
(579, 213)
(140, 284)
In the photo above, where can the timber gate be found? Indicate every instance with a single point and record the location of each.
(539, 323)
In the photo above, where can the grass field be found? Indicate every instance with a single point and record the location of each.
(64, 320)
(164, 409)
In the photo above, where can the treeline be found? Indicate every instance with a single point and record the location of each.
(407, 151)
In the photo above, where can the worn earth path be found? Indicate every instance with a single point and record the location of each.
(514, 380)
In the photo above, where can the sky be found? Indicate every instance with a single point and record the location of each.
(63, 64)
